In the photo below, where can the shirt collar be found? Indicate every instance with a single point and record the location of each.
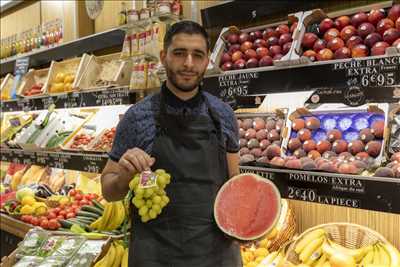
(172, 100)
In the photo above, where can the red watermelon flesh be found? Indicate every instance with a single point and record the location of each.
(247, 207)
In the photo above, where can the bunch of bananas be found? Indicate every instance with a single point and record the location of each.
(116, 256)
(317, 250)
(113, 216)
(274, 259)
(252, 256)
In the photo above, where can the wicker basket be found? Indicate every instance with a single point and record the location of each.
(349, 235)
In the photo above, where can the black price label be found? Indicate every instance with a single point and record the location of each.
(236, 84)
(21, 66)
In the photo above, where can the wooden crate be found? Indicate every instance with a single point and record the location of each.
(31, 78)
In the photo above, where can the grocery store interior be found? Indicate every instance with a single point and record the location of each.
(309, 133)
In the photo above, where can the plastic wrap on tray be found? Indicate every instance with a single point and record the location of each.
(33, 240)
(68, 246)
(50, 246)
(89, 250)
(29, 261)
(53, 262)
(394, 145)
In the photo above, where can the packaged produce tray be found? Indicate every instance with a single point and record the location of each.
(32, 84)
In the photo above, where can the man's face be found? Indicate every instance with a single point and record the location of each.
(185, 61)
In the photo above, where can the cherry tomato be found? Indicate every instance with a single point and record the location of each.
(51, 215)
(60, 217)
(42, 218)
(53, 223)
(44, 224)
(72, 192)
(84, 202)
(56, 210)
(78, 197)
(58, 224)
(62, 213)
(76, 203)
(69, 210)
(35, 221)
(70, 215)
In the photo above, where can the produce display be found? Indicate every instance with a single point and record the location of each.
(81, 141)
(247, 207)
(62, 83)
(105, 141)
(257, 48)
(36, 89)
(359, 35)
(117, 255)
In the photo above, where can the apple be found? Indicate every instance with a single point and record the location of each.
(396, 44)
(255, 35)
(343, 52)
(330, 34)
(391, 35)
(262, 52)
(359, 50)
(269, 32)
(319, 44)
(365, 28)
(379, 48)
(282, 28)
(384, 24)
(232, 38)
(225, 58)
(372, 38)
(252, 63)
(375, 15)
(353, 41)
(272, 41)
(335, 44)
(359, 18)
(285, 38)
(236, 56)
(259, 43)
(309, 39)
(274, 50)
(394, 12)
(286, 48)
(347, 32)
(265, 61)
(239, 64)
(227, 66)
(250, 53)
(398, 24)
(277, 57)
(246, 45)
(325, 25)
(311, 54)
(293, 27)
(324, 54)
(244, 37)
(342, 22)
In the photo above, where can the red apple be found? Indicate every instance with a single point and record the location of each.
(225, 58)
(227, 66)
(239, 64)
(274, 50)
(375, 15)
(259, 43)
(394, 12)
(233, 48)
(286, 48)
(398, 24)
(330, 34)
(250, 53)
(347, 32)
(353, 41)
(272, 41)
(365, 28)
(269, 32)
(359, 18)
(265, 61)
(244, 37)
(285, 38)
(277, 57)
(325, 25)
(309, 39)
(335, 44)
(236, 56)
(311, 54)
(391, 35)
(293, 27)
(324, 54)
(232, 38)
(319, 44)
(359, 50)
(252, 63)
(372, 38)
(384, 24)
(282, 28)
(379, 48)
(262, 52)
(246, 45)
(341, 22)
(396, 44)
(255, 35)
(343, 52)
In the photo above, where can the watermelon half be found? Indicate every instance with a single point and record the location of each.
(247, 207)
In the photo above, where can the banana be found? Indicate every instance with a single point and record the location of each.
(357, 254)
(267, 260)
(118, 216)
(368, 258)
(310, 248)
(119, 253)
(314, 256)
(377, 256)
(393, 253)
(108, 209)
(326, 264)
(96, 224)
(320, 262)
(307, 239)
(384, 255)
(108, 259)
(124, 261)
(278, 261)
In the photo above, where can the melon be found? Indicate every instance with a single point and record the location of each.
(247, 207)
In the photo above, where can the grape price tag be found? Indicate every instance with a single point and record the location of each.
(147, 179)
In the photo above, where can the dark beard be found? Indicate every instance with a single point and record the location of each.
(183, 88)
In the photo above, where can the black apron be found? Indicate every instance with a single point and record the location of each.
(185, 234)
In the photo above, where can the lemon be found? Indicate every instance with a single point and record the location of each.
(27, 210)
(41, 210)
(64, 201)
(28, 200)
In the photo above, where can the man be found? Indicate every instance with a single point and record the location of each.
(194, 137)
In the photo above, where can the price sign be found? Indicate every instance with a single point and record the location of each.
(236, 84)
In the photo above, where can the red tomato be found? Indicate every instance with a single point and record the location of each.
(35, 221)
(76, 203)
(61, 206)
(69, 210)
(62, 213)
(72, 192)
(42, 218)
(58, 225)
(53, 223)
(78, 197)
(44, 223)
(24, 218)
(60, 217)
(51, 215)
(56, 210)
(84, 202)
(70, 215)
(76, 209)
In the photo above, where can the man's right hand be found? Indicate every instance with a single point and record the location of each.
(135, 160)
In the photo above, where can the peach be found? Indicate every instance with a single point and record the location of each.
(298, 124)
(286, 48)
(237, 55)
(379, 48)
(319, 44)
(323, 146)
(325, 54)
(342, 22)
(375, 15)
(273, 135)
(299, 153)
(275, 50)
(325, 25)
(345, 156)
(360, 165)
(309, 39)
(272, 41)
(255, 35)
(265, 61)
(398, 24)
(250, 53)
(245, 46)
(278, 161)
(391, 35)
(394, 12)
(250, 133)
(294, 143)
(253, 143)
(309, 166)
(246, 158)
(263, 159)
(293, 164)
(264, 143)
(383, 25)
(339, 146)
(348, 32)
(310, 54)
(395, 157)
(314, 154)
(242, 142)
(360, 50)
(347, 168)
(313, 123)
(233, 48)
(377, 128)
(258, 123)
(279, 124)
(270, 124)
(343, 52)
(273, 151)
(244, 151)
(244, 37)
(232, 38)
(262, 52)
(309, 145)
(227, 66)
(304, 134)
(330, 34)
(372, 39)
(256, 152)
(251, 63)
(373, 148)
(247, 124)
(259, 43)
(282, 29)
(365, 28)
(356, 147)
(269, 32)
(353, 41)
(334, 135)
(285, 38)
(362, 155)
(242, 132)
(239, 64)
(359, 18)
(366, 135)
(261, 134)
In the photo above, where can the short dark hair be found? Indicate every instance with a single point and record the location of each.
(185, 26)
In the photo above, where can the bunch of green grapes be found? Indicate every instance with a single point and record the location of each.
(150, 201)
